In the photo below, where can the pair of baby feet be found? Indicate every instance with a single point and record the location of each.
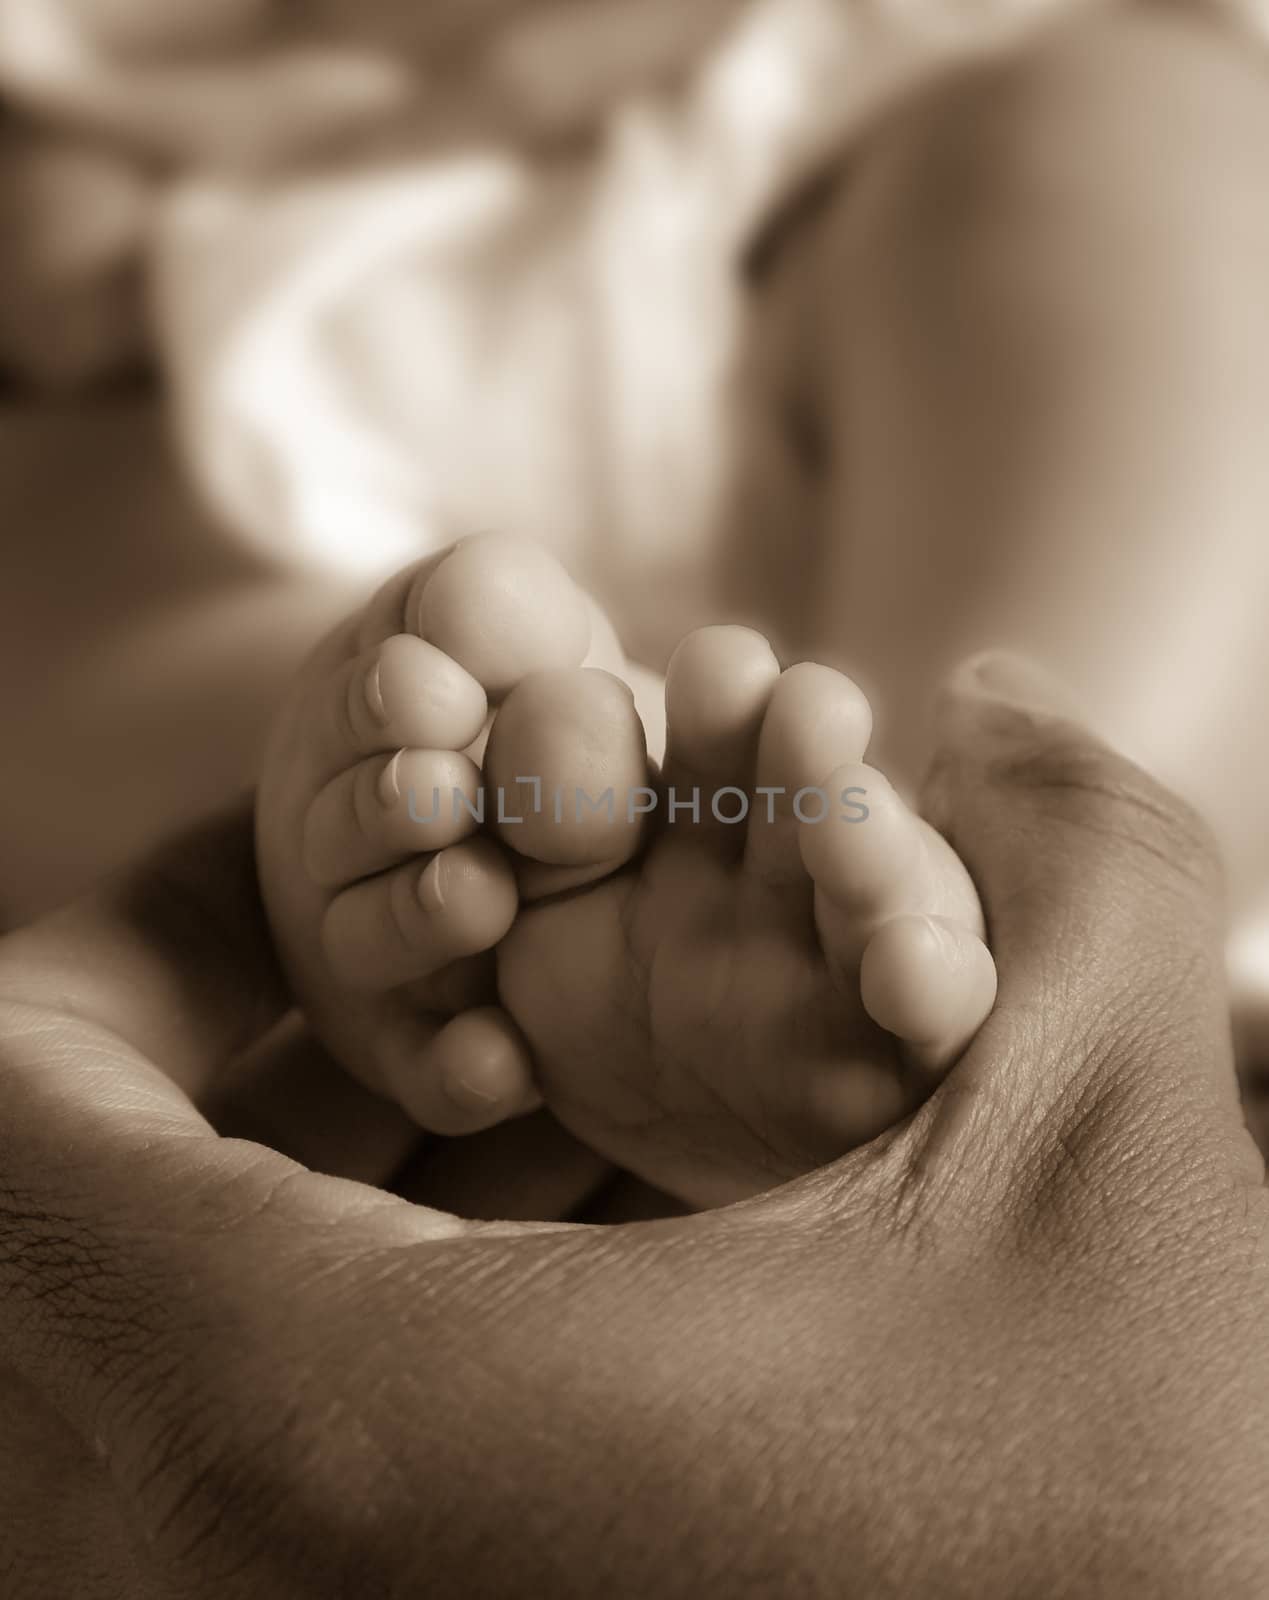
(719, 975)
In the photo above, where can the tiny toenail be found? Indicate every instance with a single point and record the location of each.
(432, 886)
(374, 694)
(390, 782)
(465, 1093)
(947, 944)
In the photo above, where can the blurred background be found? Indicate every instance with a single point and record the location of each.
(293, 291)
(278, 281)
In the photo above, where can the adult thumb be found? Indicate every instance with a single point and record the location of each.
(1106, 1067)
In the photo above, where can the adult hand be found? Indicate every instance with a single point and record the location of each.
(1015, 1347)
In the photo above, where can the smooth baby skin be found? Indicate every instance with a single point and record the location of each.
(388, 898)
(846, 945)
(1014, 1348)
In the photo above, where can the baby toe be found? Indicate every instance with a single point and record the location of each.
(388, 808)
(461, 1076)
(717, 689)
(566, 773)
(865, 852)
(394, 606)
(402, 693)
(930, 982)
(502, 608)
(410, 922)
(817, 719)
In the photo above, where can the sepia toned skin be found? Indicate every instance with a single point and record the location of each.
(638, 969)
(1014, 1347)
(1031, 332)
(1035, 389)
(1019, 1351)
(1021, 356)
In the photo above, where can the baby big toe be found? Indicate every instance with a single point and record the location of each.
(717, 689)
(502, 608)
(565, 777)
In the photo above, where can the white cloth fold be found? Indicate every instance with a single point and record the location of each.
(363, 361)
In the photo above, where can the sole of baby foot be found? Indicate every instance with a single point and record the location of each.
(785, 970)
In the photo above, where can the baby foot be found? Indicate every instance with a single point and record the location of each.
(752, 998)
(384, 896)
